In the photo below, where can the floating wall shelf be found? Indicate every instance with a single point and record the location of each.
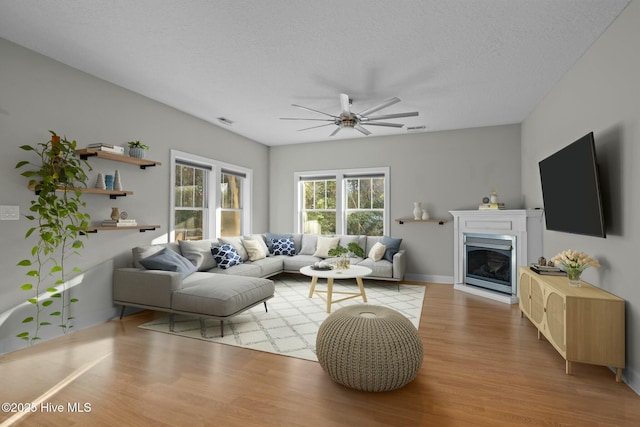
(403, 220)
(85, 153)
(141, 228)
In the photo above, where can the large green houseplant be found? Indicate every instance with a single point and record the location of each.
(56, 175)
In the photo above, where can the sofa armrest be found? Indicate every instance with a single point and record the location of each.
(399, 265)
(145, 287)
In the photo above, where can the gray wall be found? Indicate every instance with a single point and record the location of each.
(38, 94)
(601, 93)
(443, 170)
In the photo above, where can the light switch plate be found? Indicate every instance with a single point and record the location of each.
(10, 213)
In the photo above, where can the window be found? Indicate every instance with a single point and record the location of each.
(191, 208)
(342, 202)
(209, 199)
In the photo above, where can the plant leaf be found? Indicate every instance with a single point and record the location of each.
(26, 287)
(27, 320)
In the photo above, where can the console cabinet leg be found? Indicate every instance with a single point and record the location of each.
(568, 367)
(618, 375)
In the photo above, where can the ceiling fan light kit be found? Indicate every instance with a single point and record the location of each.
(348, 119)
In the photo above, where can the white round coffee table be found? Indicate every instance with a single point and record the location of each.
(353, 272)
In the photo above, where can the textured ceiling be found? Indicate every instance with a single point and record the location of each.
(459, 63)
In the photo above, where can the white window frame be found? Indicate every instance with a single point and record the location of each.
(341, 201)
(211, 223)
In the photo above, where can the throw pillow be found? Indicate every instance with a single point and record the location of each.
(260, 239)
(377, 251)
(270, 237)
(226, 256)
(169, 260)
(199, 253)
(283, 247)
(392, 245)
(324, 244)
(236, 242)
(254, 249)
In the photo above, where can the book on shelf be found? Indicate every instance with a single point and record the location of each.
(491, 206)
(547, 270)
(119, 223)
(116, 149)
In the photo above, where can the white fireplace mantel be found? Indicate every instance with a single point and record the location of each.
(524, 224)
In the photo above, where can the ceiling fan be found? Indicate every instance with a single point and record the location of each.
(348, 119)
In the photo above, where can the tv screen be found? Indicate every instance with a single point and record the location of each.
(571, 189)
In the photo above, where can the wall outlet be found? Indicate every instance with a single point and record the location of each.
(10, 213)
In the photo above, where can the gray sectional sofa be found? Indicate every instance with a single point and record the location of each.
(208, 288)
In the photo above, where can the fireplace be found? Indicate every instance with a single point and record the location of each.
(497, 242)
(490, 262)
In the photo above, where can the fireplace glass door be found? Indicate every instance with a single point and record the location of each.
(490, 262)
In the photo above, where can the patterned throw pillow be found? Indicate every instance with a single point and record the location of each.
(226, 256)
(283, 247)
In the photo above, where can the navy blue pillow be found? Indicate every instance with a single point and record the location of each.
(393, 246)
(283, 247)
(270, 237)
(226, 256)
(169, 260)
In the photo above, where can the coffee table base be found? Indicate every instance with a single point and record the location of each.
(328, 294)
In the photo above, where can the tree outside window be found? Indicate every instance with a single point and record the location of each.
(190, 202)
(319, 206)
(365, 206)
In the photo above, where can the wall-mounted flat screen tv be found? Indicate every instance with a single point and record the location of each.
(571, 189)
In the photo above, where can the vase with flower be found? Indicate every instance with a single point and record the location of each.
(574, 263)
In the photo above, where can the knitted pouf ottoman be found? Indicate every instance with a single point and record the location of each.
(369, 348)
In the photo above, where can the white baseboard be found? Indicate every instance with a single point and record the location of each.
(413, 277)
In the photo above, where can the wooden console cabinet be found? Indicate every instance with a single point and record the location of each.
(584, 324)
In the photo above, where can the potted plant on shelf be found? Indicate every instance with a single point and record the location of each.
(56, 176)
(137, 149)
(343, 253)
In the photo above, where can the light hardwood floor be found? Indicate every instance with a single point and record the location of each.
(483, 366)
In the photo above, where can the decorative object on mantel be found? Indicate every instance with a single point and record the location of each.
(137, 149)
(117, 183)
(425, 214)
(574, 263)
(494, 197)
(491, 206)
(417, 210)
(100, 185)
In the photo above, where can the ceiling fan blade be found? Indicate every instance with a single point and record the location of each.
(299, 118)
(390, 116)
(361, 130)
(378, 107)
(315, 111)
(392, 125)
(335, 131)
(344, 103)
(313, 127)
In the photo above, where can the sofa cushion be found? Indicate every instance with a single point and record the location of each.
(269, 266)
(236, 242)
(246, 269)
(236, 295)
(324, 245)
(226, 256)
(377, 251)
(283, 247)
(392, 245)
(254, 249)
(382, 268)
(199, 253)
(309, 242)
(168, 260)
(295, 263)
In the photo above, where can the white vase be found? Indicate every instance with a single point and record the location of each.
(117, 183)
(425, 214)
(493, 198)
(417, 210)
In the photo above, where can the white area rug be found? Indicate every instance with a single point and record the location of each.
(290, 326)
